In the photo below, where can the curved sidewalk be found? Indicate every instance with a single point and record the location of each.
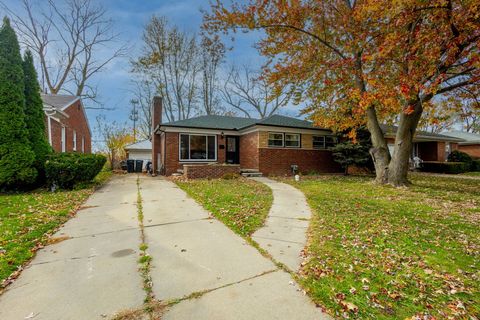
(285, 232)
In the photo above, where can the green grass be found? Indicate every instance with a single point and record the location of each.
(27, 219)
(241, 204)
(472, 174)
(376, 252)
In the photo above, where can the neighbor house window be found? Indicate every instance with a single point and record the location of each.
(318, 142)
(63, 139)
(74, 140)
(292, 140)
(323, 142)
(330, 141)
(197, 147)
(275, 139)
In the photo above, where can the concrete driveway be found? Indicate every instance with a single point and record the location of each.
(93, 274)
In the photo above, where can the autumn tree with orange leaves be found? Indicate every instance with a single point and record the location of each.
(363, 62)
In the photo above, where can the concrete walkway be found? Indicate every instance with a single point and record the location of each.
(284, 234)
(91, 275)
(194, 253)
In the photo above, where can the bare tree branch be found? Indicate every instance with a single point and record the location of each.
(67, 39)
(245, 90)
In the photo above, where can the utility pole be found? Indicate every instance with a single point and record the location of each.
(134, 117)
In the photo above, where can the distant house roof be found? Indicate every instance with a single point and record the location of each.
(55, 105)
(59, 101)
(389, 130)
(469, 138)
(141, 145)
(238, 123)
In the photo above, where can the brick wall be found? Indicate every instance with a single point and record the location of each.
(56, 129)
(441, 151)
(278, 161)
(199, 171)
(473, 150)
(78, 123)
(249, 150)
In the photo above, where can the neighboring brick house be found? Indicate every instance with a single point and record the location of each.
(66, 123)
(426, 145)
(470, 143)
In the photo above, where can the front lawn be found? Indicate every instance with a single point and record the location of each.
(241, 204)
(472, 174)
(28, 218)
(383, 253)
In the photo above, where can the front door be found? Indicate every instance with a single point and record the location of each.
(232, 154)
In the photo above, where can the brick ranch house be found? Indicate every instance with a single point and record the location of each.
(427, 146)
(210, 146)
(66, 123)
(470, 143)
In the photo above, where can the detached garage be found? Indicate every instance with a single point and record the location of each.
(141, 150)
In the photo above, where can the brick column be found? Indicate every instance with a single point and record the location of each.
(156, 121)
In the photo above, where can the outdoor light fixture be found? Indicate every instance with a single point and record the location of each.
(222, 135)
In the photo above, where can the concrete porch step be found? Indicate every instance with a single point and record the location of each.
(242, 170)
(252, 174)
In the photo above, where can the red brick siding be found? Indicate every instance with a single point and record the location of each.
(249, 151)
(56, 129)
(221, 153)
(78, 123)
(278, 161)
(473, 150)
(171, 164)
(196, 171)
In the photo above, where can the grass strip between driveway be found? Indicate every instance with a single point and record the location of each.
(377, 252)
(28, 220)
(241, 204)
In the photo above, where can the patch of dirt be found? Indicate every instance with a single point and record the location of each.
(150, 311)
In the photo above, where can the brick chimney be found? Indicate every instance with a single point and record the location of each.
(156, 139)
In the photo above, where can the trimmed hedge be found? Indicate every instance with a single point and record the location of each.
(475, 165)
(65, 170)
(459, 156)
(445, 167)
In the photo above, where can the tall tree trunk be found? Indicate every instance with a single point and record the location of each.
(398, 167)
(379, 152)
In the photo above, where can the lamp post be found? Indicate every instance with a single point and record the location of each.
(134, 117)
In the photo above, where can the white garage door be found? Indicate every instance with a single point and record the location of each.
(139, 155)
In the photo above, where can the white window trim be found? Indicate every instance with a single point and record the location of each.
(324, 143)
(63, 139)
(74, 140)
(283, 139)
(195, 134)
(292, 134)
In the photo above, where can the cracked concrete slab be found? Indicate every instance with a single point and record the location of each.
(169, 205)
(270, 296)
(199, 255)
(90, 276)
(284, 234)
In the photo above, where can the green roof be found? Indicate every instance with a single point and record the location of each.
(238, 123)
(392, 130)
